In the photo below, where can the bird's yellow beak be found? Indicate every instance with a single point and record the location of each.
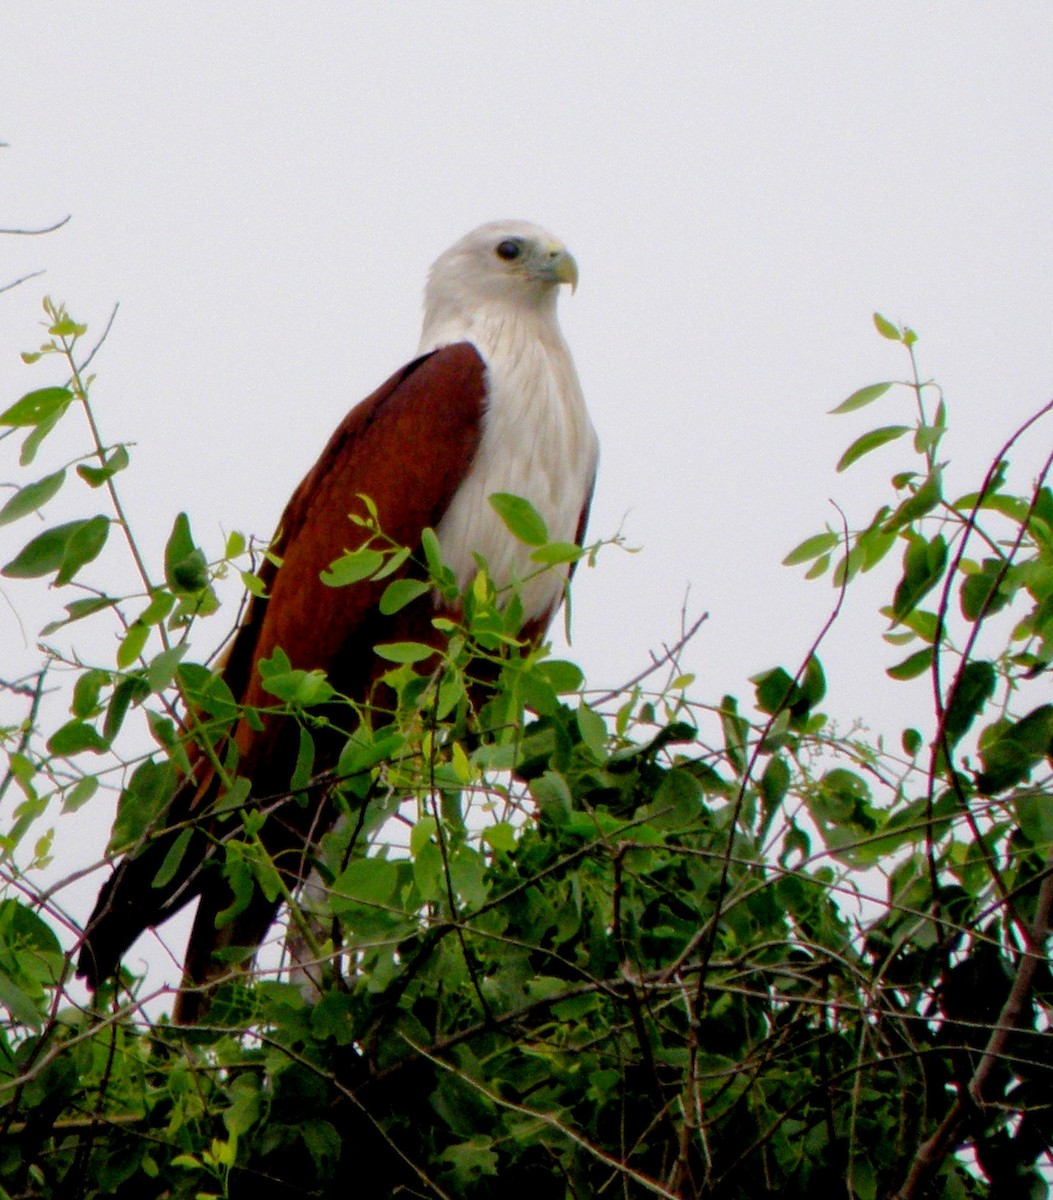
(567, 270)
(560, 267)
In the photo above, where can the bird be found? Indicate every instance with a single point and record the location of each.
(491, 403)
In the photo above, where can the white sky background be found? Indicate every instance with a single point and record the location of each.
(263, 187)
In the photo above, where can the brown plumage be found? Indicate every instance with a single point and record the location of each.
(412, 446)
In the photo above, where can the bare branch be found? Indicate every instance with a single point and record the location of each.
(37, 232)
(669, 654)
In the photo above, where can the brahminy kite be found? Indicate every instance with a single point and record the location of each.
(490, 404)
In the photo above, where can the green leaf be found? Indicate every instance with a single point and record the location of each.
(401, 592)
(66, 327)
(501, 836)
(167, 871)
(1019, 746)
(132, 644)
(305, 689)
(130, 690)
(774, 690)
(923, 501)
(555, 553)
(819, 567)
(870, 441)
(18, 1003)
(432, 553)
(74, 738)
(32, 497)
(775, 782)
(593, 730)
(560, 675)
(142, 803)
(736, 733)
(63, 549)
(78, 610)
(353, 567)
(811, 548)
(38, 406)
(161, 669)
(859, 399)
(367, 881)
(404, 652)
(923, 566)
(393, 561)
(97, 476)
(980, 594)
(85, 545)
(885, 327)
(913, 666)
(186, 568)
(79, 795)
(974, 687)
(911, 742)
(521, 517)
(86, 693)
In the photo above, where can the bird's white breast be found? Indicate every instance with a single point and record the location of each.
(537, 442)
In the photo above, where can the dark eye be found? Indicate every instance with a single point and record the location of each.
(508, 249)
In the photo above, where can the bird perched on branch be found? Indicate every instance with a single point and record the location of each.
(490, 404)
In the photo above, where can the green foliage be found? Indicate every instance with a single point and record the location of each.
(565, 945)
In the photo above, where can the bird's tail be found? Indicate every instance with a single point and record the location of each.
(147, 886)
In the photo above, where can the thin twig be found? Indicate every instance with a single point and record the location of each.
(670, 654)
(15, 282)
(37, 232)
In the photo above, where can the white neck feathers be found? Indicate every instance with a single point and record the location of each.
(537, 441)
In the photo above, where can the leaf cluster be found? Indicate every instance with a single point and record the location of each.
(563, 945)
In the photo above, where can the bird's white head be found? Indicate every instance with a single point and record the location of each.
(500, 270)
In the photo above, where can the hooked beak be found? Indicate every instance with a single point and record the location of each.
(560, 267)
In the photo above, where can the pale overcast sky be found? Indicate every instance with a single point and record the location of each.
(262, 187)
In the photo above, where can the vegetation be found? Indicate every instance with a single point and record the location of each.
(565, 944)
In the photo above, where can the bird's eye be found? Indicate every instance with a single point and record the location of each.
(508, 249)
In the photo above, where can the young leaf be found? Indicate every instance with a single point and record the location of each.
(38, 406)
(923, 501)
(32, 443)
(870, 441)
(432, 552)
(561, 676)
(166, 872)
(404, 652)
(974, 687)
(186, 568)
(78, 610)
(64, 549)
(74, 738)
(79, 795)
(401, 592)
(913, 666)
(351, 568)
(32, 497)
(861, 398)
(86, 692)
(885, 327)
(85, 544)
(557, 552)
(923, 564)
(521, 517)
(981, 594)
(305, 689)
(97, 476)
(811, 548)
(132, 644)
